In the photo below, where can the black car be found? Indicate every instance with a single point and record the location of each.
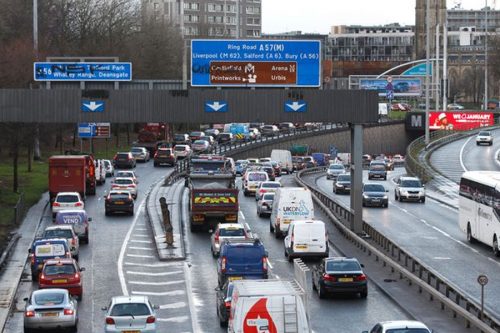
(378, 171)
(339, 275)
(225, 138)
(342, 184)
(181, 139)
(165, 156)
(224, 302)
(124, 160)
(375, 195)
(119, 201)
(270, 171)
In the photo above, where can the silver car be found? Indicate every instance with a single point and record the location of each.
(130, 314)
(50, 309)
(334, 170)
(140, 154)
(484, 137)
(125, 184)
(110, 170)
(265, 204)
(233, 231)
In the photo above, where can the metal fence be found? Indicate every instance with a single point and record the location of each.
(404, 263)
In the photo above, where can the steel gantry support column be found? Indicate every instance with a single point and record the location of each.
(356, 223)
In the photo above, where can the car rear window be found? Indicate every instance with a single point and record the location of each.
(58, 233)
(231, 232)
(167, 152)
(123, 155)
(49, 250)
(342, 266)
(137, 150)
(256, 177)
(269, 196)
(374, 188)
(407, 330)
(271, 185)
(180, 148)
(122, 196)
(130, 309)
(125, 174)
(247, 254)
(377, 167)
(124, 181)
(49, 298)
(67, 198)
(59, 269)
(180, 137)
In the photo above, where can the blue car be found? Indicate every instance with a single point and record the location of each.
(241, 167)
(242, 259)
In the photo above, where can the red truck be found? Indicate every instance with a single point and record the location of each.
(67, 174)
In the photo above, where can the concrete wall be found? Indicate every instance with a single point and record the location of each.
(385, 138)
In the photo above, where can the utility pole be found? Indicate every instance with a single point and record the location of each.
(445, 66)
(36, 141)
(486, 56)
(438, 84)
(427, 65)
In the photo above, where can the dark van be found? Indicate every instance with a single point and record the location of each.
(43, 249)
(242, 259)
(78, 219)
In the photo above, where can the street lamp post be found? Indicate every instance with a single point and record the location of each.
(486, 56)
(427, 65)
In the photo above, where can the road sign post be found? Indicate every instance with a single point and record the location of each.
(482, 280)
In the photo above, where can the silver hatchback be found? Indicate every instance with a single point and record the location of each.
(130, 314)
(233, 231)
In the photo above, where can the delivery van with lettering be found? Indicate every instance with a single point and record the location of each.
(290, 204)
(267, 306)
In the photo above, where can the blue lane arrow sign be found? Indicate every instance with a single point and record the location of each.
(92, 106)
(295, 106)
(216, 106)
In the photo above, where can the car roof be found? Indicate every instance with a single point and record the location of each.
(129, 299)
(230, 225)
(49, 290)
(60, 260)
(50, 241)
(403, 323)
(59, 226)
(341, 259)
(68, 193)
(408, 178)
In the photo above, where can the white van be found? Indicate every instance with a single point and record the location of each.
(267, 306)
(100, 171)
(252, 181)
(306, 238)
(284, 158)
(290, 204)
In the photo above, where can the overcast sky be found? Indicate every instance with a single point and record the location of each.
(317, 16)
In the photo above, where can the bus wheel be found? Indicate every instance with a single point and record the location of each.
(496, 252)
(469, 234)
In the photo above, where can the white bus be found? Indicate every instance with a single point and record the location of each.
(479, 207)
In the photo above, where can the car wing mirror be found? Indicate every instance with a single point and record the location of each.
(217, 289)
(363, 266)
(104, 308)
(26, 299)
(82, 269)
(156, 307)
(210, 231)
(29, 250)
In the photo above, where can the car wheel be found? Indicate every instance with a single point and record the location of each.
(364, 293)
(277, 232)
(155, 164)
(106, 213)
(385, 178)
(34, 277)
(271, 227)
(213, 252)
(321, 292)
(28, 330)
(422, 200)
(470, 239)
(131, 213)
(496, 251)
(74, 328)
(363, 204)
(259, 214)
(386, 205)
(477, 143)
(313, 284)
(76, 257)
(395, 196)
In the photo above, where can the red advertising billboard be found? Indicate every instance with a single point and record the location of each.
(459, 121)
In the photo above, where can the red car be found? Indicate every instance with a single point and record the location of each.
(62, 273)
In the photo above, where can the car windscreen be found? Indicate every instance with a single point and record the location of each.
(344, 178)
(199, 142)
(195, 134)
(342, 266)
(122, 156)
(374, 188)
(107, 164)
(259, 177)
(179, 137)
(130, 309)
(166, 152)
(136, 150)
(231, 232)
(484, 133)
(336, 167)
(411, 183)
(67, 198)
(49, 298)
(271, 185)
(377, 167)
(59, 269)
(58, 233)
(124, 174)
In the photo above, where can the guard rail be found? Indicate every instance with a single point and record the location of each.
(401, 261)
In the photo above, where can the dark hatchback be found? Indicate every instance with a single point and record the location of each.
(339, 275)
(181, 139)
(375, 195)
(377, 171)
(224, 297)
(124, 160)
(165, 156)
(342, 184)
(270, 172)
(119, 201)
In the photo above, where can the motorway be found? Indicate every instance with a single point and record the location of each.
(121, 259)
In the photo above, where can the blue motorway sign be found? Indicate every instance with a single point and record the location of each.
(254, 63)
(82, 71)
(216, 106)
(295, 106)
(92, 106)
(418, 70)
(86, 130)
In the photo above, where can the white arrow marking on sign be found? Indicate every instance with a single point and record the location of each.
(92, 106)
(295, 106)
(216, 106)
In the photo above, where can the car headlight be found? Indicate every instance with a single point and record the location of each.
(365, 196)
(404, 192)
(385, 197)
(339, 185)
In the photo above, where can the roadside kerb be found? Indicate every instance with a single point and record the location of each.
(443, 291)
(173, 195)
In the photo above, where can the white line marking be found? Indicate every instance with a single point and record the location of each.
(496, 158)
(140, 248)
(165, 293)
(173, 305)
(156, 283)
(141, 229)
(462, 152)
(190, 297)
(242, 216)
(151, 265)
(140, 241)
(139, 255)
(154, 274)
(121, 276)
(141, 235)
(174, 319)
(442, 258)
(269, 263)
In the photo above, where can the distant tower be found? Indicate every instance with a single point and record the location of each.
(437, 16)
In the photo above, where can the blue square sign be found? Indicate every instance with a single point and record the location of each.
(295, 106)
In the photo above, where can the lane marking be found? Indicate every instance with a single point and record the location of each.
(168, 283)
(269, 263)
(496, 157)
(151, 265)
(140, 248)
(141, 241)
(242, 216)
(178, 319)
(441, 258)
(154, 274)
(121, 276)
(462, 152)
(173, 305)
(141, 229)
(190, 297)
(141, 235)
(140, 255)
(164, 293)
